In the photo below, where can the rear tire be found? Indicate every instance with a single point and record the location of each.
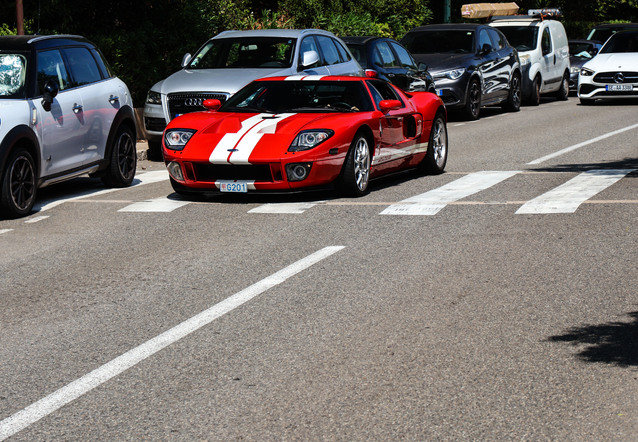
(123, 161)
(18, 192)
(355, 175)
(436, 156)
(535, 98)
(513, 103)
(563, 92)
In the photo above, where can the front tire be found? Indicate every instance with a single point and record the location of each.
(436, 156)
(355, 175)
(513, 103)
(123, 161)
(473, 100)
(18, 192)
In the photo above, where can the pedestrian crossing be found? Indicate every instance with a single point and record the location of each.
(565, 198)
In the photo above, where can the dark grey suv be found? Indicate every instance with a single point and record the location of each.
(472, 65)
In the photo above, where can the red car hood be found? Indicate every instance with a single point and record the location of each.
(241, 138)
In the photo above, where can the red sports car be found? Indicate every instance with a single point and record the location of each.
(302, 132)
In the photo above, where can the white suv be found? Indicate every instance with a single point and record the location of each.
(544, 53)
(62, 114)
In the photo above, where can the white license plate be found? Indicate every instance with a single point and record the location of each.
(619, 87)
(233, 186)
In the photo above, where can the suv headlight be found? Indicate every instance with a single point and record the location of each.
(176, 139)
(452, 74)
(586, 72)
(308, 139)
(153, 97)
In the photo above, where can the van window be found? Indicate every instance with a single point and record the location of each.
(546, 42)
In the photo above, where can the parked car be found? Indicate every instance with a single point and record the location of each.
(63, 114)
(613, 72)
(293, 133)
(386, 58)
(603, 31)
(580, 52)
(543, 52)
(232, 59)
(472, 65)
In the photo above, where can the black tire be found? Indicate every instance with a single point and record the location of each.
(355, 175)
(436, 157)
(155, 151)
(513, 103)
(123, 161)
(18, 192)
(535, 98)
(473, 100)
(563, 93)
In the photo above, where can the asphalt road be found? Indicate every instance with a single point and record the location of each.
(509, 313)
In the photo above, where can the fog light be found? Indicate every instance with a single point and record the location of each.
(298, 171)
(175, 170)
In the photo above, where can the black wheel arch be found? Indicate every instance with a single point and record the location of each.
(22, 136)
(124, 117)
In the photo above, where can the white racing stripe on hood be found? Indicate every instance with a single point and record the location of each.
(235, 148)
(304, 77)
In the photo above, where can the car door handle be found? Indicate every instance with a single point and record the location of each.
(77, 108)
(113, 99)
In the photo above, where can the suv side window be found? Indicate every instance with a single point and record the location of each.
(102, 64)
(330, 53)
(546, 42)
(83, 66)
(498, 39)
(484, 39)
(404, 56)
(383, 55)
(51, 67)
(342, 51)
(309, 44)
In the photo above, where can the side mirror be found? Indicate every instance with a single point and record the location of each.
(388, 105)
(51, 89)
(212, 104)
(309, 58)
(422, 67)
(186, 59)
(486, 49)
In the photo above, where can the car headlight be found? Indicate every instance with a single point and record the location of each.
(574, 69)
(176, 139)
(525, 59)
(153, 97)
(452, 74)
(308, 139)
(586, 72)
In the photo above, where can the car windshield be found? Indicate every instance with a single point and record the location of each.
(12, 75)
(523, 38)
(300, 96)
(245, 52)
(430, 42)
(621, 42)
(582, 50)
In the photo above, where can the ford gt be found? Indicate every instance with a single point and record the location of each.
(305, 132)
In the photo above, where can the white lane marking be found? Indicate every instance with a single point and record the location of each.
(294, 208)
(567, 197)
(430, 203)
(584, 143)
(36, 219)
(81, 386)
(5, 231)
(144, 178)
(155, 205)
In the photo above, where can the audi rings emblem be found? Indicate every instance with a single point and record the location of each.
(619, 77)
(194, 102)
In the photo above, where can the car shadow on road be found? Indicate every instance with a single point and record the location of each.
(626, 163)
(613, 343)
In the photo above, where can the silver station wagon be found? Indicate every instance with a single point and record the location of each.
(231, 60)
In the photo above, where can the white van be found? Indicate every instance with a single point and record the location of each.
(544, 54)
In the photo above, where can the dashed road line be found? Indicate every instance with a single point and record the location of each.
(155, 205)
(291, 208)
(36, 219)
(58, 399)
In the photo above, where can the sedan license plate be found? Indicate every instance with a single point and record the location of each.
(233, 186)
(619, 87)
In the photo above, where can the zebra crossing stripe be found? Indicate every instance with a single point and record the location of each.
(430, 203)
(567, 197)
(155, 205)
(294, 208)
